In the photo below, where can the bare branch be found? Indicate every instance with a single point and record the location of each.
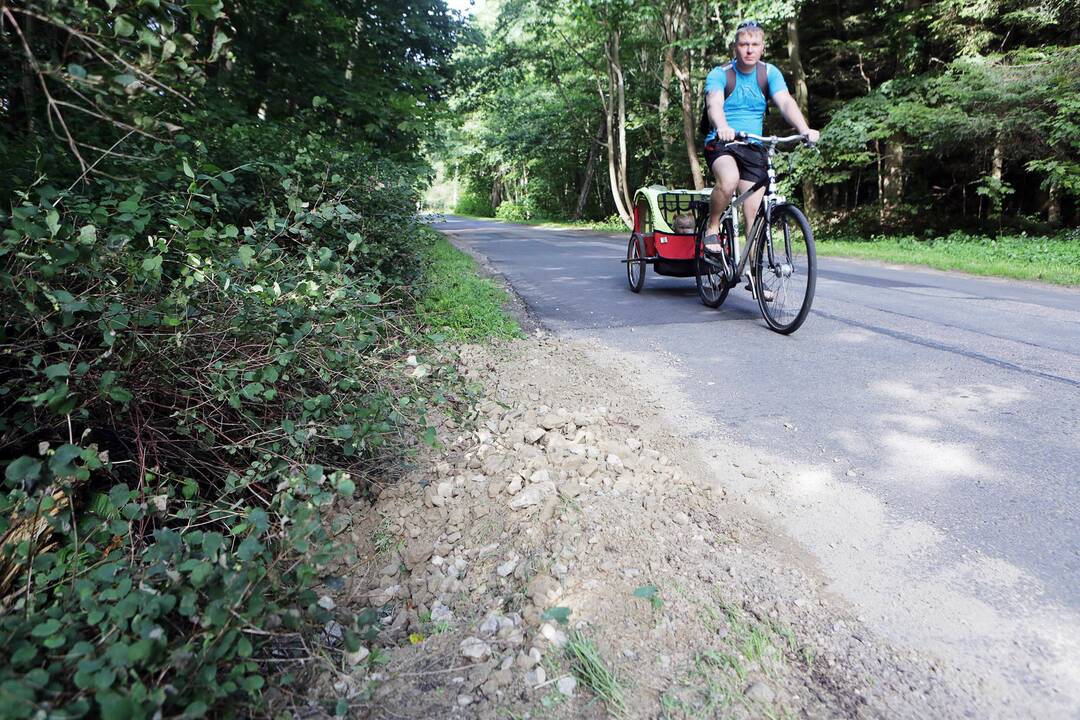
(98, 47)
(5, 11)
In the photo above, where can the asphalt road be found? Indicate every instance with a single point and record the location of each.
(945, 405)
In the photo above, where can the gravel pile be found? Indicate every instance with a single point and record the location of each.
(562, 513)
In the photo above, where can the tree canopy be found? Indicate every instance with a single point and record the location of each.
(968, 109)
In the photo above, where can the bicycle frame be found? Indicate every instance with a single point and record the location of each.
(759, 230)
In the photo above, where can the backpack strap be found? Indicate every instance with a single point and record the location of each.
(763, 80)
(730, 78)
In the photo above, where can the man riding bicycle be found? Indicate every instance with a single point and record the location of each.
(735, 100)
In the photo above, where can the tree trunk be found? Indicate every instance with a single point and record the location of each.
(615, 124)
(802, 96)
(997, 166)
(620, 86)
(613, 175)
(29, 80)
(1053, 206)
(892, 183)
(590, 170)
(689, 130)
(665, 102)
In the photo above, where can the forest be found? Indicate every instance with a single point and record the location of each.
(935, 116)
(218, 315)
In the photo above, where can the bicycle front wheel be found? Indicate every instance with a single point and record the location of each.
(786, 270)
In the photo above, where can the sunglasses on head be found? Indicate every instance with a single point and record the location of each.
(748, 24)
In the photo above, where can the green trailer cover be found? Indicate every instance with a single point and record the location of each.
(663, 204)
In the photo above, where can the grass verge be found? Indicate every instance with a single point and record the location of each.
(458, 302)
(1048, 259)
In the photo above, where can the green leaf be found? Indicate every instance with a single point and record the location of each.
(252, 390)
(120, 394)
(243, 647)
(560, 615)
(646, 592)
(62, 461)
(52, 220)
(247, 254)
(76, 71)
(59, 370)
(209, 9)
(49, 627)
(152, 264)
(123, 27)
(195, 710)
(346, 487)
(114, 706)
(23, 469)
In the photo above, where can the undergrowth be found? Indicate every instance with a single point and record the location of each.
(195, 370)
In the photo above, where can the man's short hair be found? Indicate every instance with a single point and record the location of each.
(748, 27)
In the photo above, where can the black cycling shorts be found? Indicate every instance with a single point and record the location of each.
(751, 158)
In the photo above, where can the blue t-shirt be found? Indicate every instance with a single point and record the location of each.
(745, 107)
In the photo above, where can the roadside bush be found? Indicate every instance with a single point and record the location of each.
(193, 368)
(517, 210)
(472, 203)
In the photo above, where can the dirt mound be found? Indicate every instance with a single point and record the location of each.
(556, 559)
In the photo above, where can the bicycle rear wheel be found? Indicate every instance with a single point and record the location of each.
(786, 270)
(635, 262)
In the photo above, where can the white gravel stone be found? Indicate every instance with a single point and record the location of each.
(507, 567)
(566, 685)
(536, 676)
(532, 495)
(760, 692)
(475, 648)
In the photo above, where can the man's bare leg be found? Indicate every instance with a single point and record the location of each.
(726, 173)
(750, 207)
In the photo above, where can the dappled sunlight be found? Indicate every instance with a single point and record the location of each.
(852, 442)
(924, 461)
(963, 397)
(852, 336)
(809, 484)
(912, 423)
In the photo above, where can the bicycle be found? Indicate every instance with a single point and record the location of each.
(780, 276)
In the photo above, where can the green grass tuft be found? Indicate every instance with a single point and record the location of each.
(458, 302)
(589, 667)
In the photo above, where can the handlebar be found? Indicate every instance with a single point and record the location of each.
(773, 139)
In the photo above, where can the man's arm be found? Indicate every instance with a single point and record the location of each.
(715, 101)
(791, 112)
